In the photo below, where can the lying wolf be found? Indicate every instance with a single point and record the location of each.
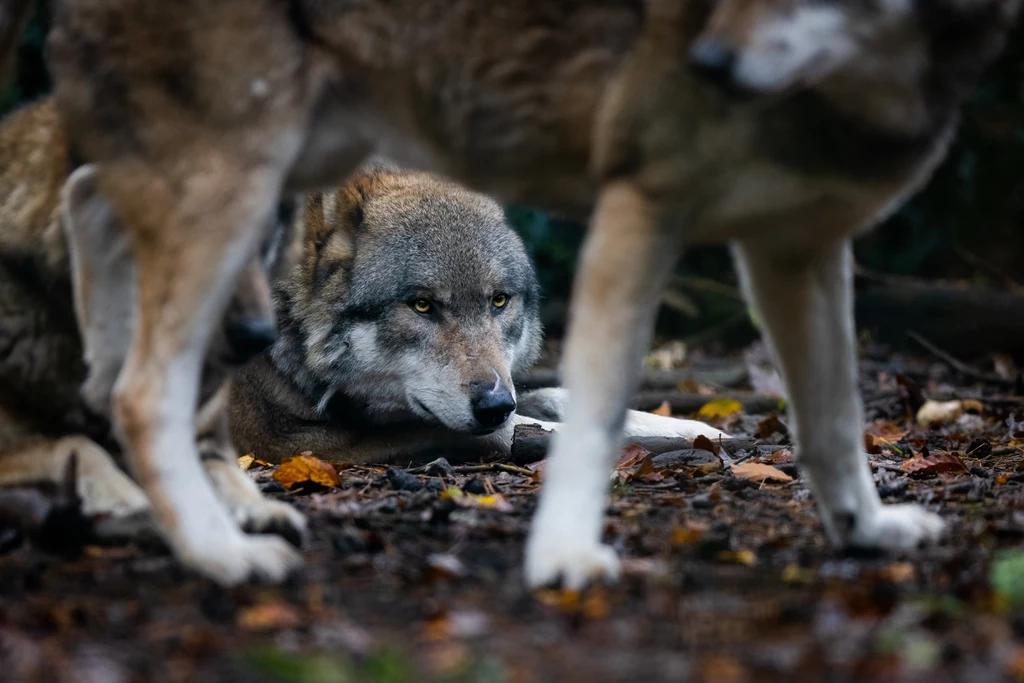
(401, 331)
(57, 255)
(782, 127)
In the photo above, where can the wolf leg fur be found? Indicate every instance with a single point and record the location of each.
(806, 307)
(627, 257)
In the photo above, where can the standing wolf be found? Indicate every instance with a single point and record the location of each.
(401, 331)
(59, 251)
(783, 127)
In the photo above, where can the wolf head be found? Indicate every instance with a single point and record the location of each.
(415, 300)
(762, 47)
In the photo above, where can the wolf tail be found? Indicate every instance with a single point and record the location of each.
(14, 15)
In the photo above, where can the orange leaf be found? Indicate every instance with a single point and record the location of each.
(887, 430)
(306, 469)
(871, 445)
(781, 457)
(665, 409)
(940, 462)
(269, 616)
(632, 455)
(756, 471)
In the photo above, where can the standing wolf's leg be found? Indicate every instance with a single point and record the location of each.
(628, 255)
(190, 238)
(103, 278)
(806, 306)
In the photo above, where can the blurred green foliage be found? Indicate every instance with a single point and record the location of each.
(967, 223)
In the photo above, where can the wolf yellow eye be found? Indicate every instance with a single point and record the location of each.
(422, 306)
(499, 300)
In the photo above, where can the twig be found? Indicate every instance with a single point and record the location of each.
(493, 467)
(887, 467)
(957, 364)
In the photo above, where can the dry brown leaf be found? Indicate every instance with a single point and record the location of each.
(703, 443)
(720, 407)
(686, 535)
(306, 469)
(756, 471)
(665, 409)
(744, 557)
(781, 457)
(632, 455)
(246, 461)
(269, 616)
(871, 445)
(770, 425)
(940, 462)
(887, 430)
(1002, 478)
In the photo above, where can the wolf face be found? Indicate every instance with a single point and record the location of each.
(416, 301)
(761, 47)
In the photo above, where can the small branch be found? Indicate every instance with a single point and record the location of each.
(958, 365)
(493, 467)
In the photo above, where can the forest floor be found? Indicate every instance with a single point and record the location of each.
(416, 576)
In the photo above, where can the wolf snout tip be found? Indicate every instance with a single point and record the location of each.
(713, 60)
(492, 404)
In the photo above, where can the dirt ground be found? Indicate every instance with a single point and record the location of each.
(417, 576)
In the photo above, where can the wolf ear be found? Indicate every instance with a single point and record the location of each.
(102, 279)
(332, 222)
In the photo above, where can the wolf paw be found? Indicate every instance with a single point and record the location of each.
(265, 516)
(576, 564)
(242, 558)
(896, 527)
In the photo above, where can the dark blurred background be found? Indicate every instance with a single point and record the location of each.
(947, 266)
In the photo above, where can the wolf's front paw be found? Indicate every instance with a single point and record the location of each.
(240, 558)
(550, 557)
(896, 527)
(265, 516)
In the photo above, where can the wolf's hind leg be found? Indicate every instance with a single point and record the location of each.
(103, 281)
(806, 306)
(627, 257)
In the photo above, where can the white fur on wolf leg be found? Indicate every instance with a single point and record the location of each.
(251, 509)
(565, 535)
(101, 264)
(189, 514)
(806, 308)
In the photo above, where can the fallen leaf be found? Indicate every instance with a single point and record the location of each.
(770, 425)
(720, 407)
(268, 616)
(494, 501)
(1002, 478)
(871, 446)
(246, 461)
(942, 461)
(665, 409)
(703, 443)
(685, 536)
(899, 572)
(306, 469)
(756, 471)
(794, 573)
(744, 557)
(887, 430)
(781, 457)
(632, 455)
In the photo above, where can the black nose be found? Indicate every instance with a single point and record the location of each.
(250, 336)
(713, 59)
(492, 404)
